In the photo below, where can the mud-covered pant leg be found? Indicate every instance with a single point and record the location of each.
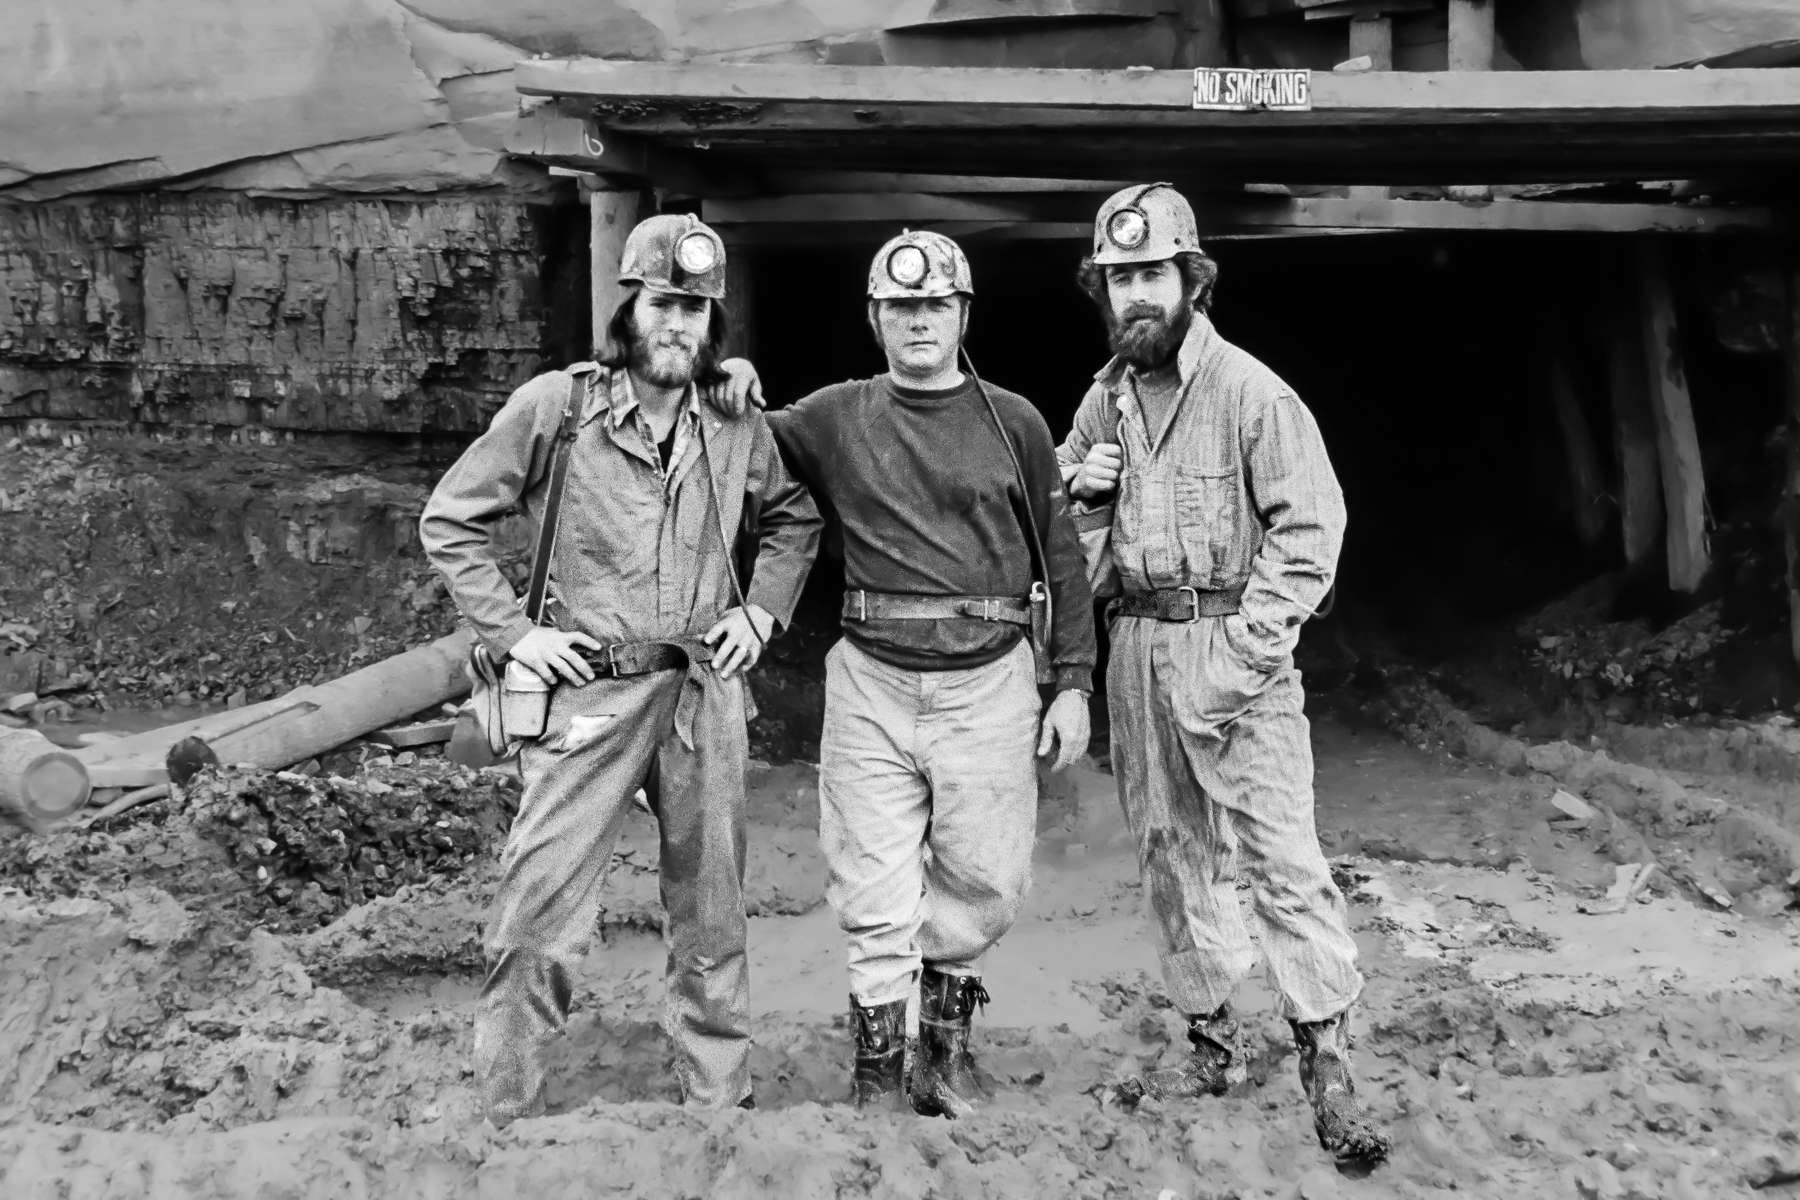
(1248, 744)
(1186, 845)
(977, 743)
(698, 797)
(1264, 777)
(874, 807)
(598, 745)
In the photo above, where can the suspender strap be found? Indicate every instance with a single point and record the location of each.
(553, 493)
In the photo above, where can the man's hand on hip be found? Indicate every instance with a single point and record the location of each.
(551, 653)
(740, 388)
(1065, 730)
(1099, 471)
(738, 639)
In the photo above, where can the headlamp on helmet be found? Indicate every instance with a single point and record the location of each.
(907, 266)
(1128, 228)
(696, 254)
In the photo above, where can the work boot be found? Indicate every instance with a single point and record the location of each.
(1345, 1129)
(945, 1083)
(1215, 1065)
(878, 1078)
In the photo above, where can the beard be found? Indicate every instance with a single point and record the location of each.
(1147, 337)
(669, 362)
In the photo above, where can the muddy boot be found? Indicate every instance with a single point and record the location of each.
(878, 1078)
(1345, 1130)
(1215, 1065)
(945, 1082)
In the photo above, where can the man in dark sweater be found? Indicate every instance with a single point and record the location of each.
(931, 699)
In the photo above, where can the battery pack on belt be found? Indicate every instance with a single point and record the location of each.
(892, 606)
(641, 658)
(1180, 604)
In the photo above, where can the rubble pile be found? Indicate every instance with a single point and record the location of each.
(313, 847)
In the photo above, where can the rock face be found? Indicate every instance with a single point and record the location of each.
(334, 314)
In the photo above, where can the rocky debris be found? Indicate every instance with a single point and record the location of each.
(315, 847)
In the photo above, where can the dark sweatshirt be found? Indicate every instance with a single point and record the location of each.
(928, 504)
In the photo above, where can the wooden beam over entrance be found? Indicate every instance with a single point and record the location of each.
(1371, 127)
(1225, 213)
(1377, 95)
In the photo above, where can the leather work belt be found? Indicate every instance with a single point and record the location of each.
(890, 606)
(1180, 604)
(641, 658)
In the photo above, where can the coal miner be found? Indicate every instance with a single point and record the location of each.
(956, 534)
(1226, 520)
(647, 637)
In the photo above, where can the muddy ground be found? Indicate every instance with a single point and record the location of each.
(263, 987)
(191, 1007)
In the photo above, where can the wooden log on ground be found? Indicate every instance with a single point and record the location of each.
(1587, 482)
(39, 781)
(1677, 442)
(302, 724)
(611, 217)
(1634, 437)
(1791, 493)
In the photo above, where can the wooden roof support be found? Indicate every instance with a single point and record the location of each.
(549, 135)
(1223, 213)
(1375, 95)
(1471, 35)
(1677, 442)
(1790, 514)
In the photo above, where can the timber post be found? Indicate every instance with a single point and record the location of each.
(1677, 441)
(611, 216)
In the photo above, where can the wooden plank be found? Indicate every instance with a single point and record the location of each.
(547, 134)
(1677, 442)
(1790, 514)
(1587, 481)
(1218, 213)
(1204, 40)
(1373, 38)
(611, 217)
(1634, 435)
(1471, 35)
(1635, 94)
(740, 278)
(828, 181)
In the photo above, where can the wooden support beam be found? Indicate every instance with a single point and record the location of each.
(740, 89)
(1634, 434)
(1373, 37)
(740, 279)
(1790, 515)
(611, 217)
(1587, 482)
(1249, 212)
(1471, 35)
(1677, 442)
(546, 134)
(1203, 41)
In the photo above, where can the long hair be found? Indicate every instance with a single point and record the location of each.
(1199, 275)
(621, 339)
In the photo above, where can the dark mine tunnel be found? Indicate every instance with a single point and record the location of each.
(1425, 361)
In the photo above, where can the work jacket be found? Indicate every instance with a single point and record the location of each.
(641, 553)
(1233, 490)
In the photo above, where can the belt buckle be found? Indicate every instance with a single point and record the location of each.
(612, 658)
(862, 604)
(990, 608)
(1193, 595)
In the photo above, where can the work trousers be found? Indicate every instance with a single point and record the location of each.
(927, 812)
(601, 743)
(1214, 764)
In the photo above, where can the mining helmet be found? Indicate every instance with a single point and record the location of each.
(1144, 223)
(676, 253)
(917, 265)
